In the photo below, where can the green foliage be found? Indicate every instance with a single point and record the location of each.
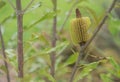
(38, 22)
(85, 70)
(47, 16)
(72, 59)
(106, 77)
(116, 70)
(111, 74)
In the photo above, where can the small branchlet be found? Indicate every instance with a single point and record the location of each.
(85, 45)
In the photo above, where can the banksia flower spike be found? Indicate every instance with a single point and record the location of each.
(79, 29)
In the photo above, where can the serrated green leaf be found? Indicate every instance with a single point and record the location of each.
(48, 75)
(114, 63)
(116, 70)
(72, 59)
(47, 51)
(105, 78)
(57, 47)
(48, 15)
(86, 70)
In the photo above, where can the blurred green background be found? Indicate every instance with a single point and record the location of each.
(38, 21)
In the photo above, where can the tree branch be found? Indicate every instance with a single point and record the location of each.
(100, 25)
(12, 5)
(54, 31)
(20, 38)
(28, 6)
(87, 44)
(4, 55)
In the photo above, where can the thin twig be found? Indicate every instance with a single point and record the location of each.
(12, 5)
(28, 6)
(67, 17)
(100, 25)
(4, 55)
(87, 44)
(76, 64)
(20, 38)
(54, 31)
